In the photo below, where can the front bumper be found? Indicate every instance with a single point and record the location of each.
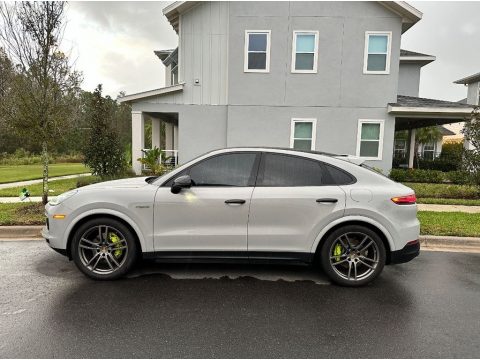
(409, 252)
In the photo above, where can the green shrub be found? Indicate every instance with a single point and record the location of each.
(87, 180)
(459, 177)
(445, 191)
(417, 175)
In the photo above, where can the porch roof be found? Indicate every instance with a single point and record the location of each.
(414, 112)
(147, 94)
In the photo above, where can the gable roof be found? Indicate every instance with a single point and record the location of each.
(410, 15)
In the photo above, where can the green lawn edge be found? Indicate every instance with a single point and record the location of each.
(10, 173)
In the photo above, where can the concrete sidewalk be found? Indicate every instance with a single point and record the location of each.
(449, 208)
(38, 181)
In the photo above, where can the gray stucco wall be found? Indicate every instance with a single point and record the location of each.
(339, 81)
(336, 128)
(409, 79)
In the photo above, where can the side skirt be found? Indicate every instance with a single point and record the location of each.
(256, 257)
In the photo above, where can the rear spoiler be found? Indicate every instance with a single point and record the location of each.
(351, 159)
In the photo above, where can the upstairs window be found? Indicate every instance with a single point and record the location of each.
(305, 51)
(370, 139)
(257, 51)
(303, 133)
(377, 52)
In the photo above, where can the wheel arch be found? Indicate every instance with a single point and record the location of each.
(106, 213)
(380, 230)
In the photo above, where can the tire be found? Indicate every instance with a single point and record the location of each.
(353, 255)
(104, 249)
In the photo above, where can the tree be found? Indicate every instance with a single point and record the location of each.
(103, 151)
(45, 87)
(471, 131)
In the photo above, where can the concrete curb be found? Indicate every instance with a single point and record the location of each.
(21, 232)
(428, 242)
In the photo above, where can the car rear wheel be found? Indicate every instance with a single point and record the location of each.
(104, 249)
(353, 255)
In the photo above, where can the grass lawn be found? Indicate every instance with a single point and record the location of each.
(466, 202)
(55, 187)
(13, 173)
(22, 214)
(445, 191)
(449, 223)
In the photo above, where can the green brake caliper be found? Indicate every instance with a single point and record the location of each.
(337, 251)
(116, 240)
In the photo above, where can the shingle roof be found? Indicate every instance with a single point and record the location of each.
(412, 53)
(445, 132)
(469, 79)
(412, 101)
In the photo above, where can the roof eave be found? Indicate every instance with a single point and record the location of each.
(424, 60)
(443, 112)
(469, 79)
(410, 15)
(150, 93)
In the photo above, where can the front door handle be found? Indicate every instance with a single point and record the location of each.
(327, 200)
(235, 201)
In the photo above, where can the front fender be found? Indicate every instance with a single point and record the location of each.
(145, 244)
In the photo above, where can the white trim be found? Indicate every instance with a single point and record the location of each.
(428, 110)
(314, 131)
(389, 52)
(294, 51)
(245, 51)
(150, 93)
(380, 140)
(417, 58)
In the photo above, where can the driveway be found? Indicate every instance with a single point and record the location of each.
(427, 308)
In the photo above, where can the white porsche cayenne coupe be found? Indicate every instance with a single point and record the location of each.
(245, 205)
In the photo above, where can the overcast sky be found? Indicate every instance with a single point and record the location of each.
(113, 43)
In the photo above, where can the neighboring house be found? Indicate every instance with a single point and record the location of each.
(472, 83)
(325, 76)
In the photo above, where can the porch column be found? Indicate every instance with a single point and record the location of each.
(138, 140)
(411, 150)
(175, 137)
(155, 133)
(168, 136)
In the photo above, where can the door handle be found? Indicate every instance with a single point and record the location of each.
(327, 200)
(235, 201)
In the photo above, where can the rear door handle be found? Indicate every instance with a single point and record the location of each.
(235, 201)
(327, 200)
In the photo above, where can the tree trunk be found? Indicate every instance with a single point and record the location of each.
(45, 172)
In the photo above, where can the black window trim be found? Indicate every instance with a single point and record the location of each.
(251, 180)
(323, 168)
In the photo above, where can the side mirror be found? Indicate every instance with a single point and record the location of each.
(180, 183)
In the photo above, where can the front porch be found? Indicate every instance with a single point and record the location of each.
(161, 128)
(413, 113)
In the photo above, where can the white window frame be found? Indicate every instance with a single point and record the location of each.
(380, 140)
(389, 52)
(294, 51)
(246, 52)
(314, 131)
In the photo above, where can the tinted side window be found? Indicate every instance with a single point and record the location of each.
(284, 170)
(223, 170)
(337, 176)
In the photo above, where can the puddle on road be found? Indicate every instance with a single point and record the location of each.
(217, 272)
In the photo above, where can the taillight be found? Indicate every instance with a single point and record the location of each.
(405, 200)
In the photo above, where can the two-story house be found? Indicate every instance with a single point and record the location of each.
(325, 76)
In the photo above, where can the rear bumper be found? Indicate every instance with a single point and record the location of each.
(409, 252)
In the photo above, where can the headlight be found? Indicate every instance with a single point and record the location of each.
(62, 197)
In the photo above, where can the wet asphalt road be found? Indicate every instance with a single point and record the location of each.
(427, 308)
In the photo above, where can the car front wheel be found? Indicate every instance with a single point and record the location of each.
(104, 249)
(353, 255)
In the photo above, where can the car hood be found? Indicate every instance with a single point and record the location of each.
(129, 183)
